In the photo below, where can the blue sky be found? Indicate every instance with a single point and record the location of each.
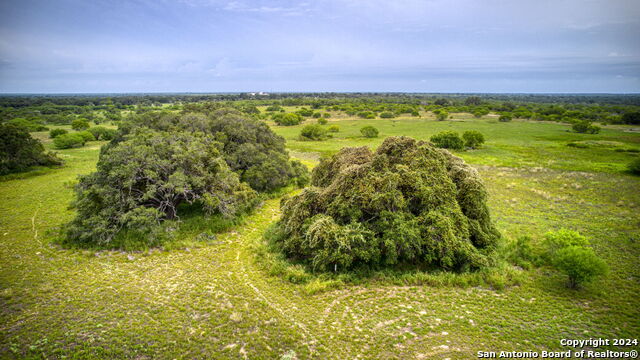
(323, 45)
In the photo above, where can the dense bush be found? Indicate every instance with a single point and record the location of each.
(407, 203)
(287, 119)
(585, 127)
(367, 115)
(387, 115)
(334, 128)
(56, 132)
(250, 147)
(145, 177)
(505, 118)
(274, 108)
(448, 140)
(68, 141)
(19, 151)
(473, 139)
(304, 112)
(369, 131)
(317, 115)
(80, 124)
(87, 136)
(631, 118)
(441, 115)
(323, 121)
(580, 264)
(634, 166)
(102, 133)
(570, 253)
(313, 132)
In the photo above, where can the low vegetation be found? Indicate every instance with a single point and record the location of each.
(20, 152)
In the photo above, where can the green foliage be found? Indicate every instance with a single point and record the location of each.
(80, 124)
(274, 108)
(585, 127)
(448, 140)
(367, 115)
(68, 141)
(334, 128)
(56, 132)
(305, 112)
(19, 151)
(505, 118)
(102, 133)
(631, 118)
(441, 114)
(473, 139)
(580, 264)
(570, 253)
(387, 115)
(317, 115)
(143, 179)
(406, 203)
(31, 126)
(522, 253)
(323, 121)
(86, 135)
(480, 112)
(369, 131)
(634, 166)
(250, 147)
(287, 119)
(313, 132)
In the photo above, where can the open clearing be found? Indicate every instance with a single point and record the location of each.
(214, 301)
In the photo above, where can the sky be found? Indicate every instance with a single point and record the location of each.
(108, 46)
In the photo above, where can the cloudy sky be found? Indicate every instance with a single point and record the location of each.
(321, 45)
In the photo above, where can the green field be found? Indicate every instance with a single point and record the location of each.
(214, 300)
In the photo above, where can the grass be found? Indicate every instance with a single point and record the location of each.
(217, 301)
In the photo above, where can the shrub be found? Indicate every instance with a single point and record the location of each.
(98, 132)
(505, 118)
(317, 115)
(19, 151)
(473, 139)
(274, 108)
(323, 121)
(585, 127)
(367, 115)
(441, 115)
(634, 166)
(522, 253)
(448, 140)
(80, 124)
(556, 240)
(287, 119)
(631, 118)
(407, 203)
(369, 131)
(304, 112)
(480, 112)
(142, 180)
(334, 128)
(87, 136)
(387, 115)
(68, 141)
(56, 132)
(580, 264)
(313, 132)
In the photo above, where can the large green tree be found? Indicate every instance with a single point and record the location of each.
(19, 151)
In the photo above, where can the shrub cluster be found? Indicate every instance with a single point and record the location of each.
(406, 203)
(585, 127)
(68, 141)
(473, 139)
(287, 119)
(448, 140)
(57, 132)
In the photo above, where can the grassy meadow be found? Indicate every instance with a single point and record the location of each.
(216, 299)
